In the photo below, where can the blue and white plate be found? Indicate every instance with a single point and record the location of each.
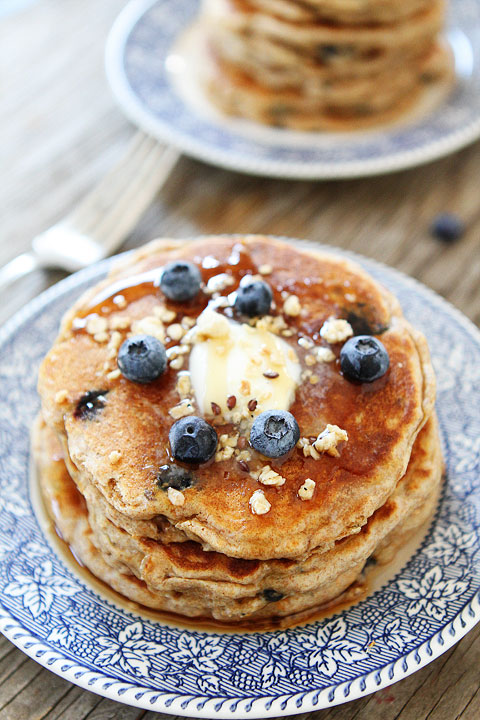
(72, 626)
(153, 78)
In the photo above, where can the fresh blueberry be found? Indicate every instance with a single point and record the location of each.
(254, 299)
(180, 281)
(447, 227)
(142, 358)
(192, 440)
(363, 358)
(174, 476)
(89, 404)
(274, 433)
(271, 595)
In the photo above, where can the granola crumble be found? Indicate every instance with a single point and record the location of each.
(176, 497)
(305, 492)
(259, 504)
(335, 330)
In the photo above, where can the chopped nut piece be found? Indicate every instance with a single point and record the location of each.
(310, 359)
(210, 324)
(96, 324)
(114, 343)
(231, 402)
(292, 306)
(115, 456)
(175, 331)
(184, 384)
(244, 455)
(335, 330)
(306, 343)
(308, 449)
(216, 409)
(313, 379)
(268, 476)
(328, 440)
(61, 397)
(119, 323)
(120, 302)
(114, 374)
(324, 354)
(228, 440)
(224, 453)
(217, 283)
(188, 322)
(183, 408)
(176, 363)
(175, 496)
(101, 337)
(164, 314)
(265, 269)
(273, 323)
(245, 387)
(306, 490)
(149, 325)
(259, 504)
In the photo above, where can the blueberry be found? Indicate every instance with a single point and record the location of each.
(447, 227)
(192, 440)
(174, 476)
(271, 595)
(274, 433)
(254, 299)
(180, 281)
(363, 358)
(142, 358)
(89, 404)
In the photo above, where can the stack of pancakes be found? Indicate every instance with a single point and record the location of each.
(101, 441)
(321, 64)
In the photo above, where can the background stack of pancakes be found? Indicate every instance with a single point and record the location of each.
(321, 64)
(102, 440)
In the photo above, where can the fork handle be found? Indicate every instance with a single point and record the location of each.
(17, 268)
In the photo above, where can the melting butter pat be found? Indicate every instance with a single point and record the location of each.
(227, 357)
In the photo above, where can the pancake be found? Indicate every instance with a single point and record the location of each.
(346, 11)
(182, 577)
(320, 64)
(119, 448)
(284, 99)
(237, 16)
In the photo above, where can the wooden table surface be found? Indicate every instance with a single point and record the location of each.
(60, 131)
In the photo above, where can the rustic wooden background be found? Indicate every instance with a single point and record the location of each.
(60, 131)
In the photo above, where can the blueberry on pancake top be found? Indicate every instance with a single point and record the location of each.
(274, 433)
(180, 281)
(254, 299)
(192, 440)
(364, 358)
(142, 358)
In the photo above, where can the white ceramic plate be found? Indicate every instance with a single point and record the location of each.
(152, 79)
(72, 626)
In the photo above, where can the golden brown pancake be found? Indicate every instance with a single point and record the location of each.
(119, 449)
(320, 65)
(182, 577)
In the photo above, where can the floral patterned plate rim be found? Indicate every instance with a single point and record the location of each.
(61, 621)
(144, 74)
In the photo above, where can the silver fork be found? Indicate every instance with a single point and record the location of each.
(104, 218)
